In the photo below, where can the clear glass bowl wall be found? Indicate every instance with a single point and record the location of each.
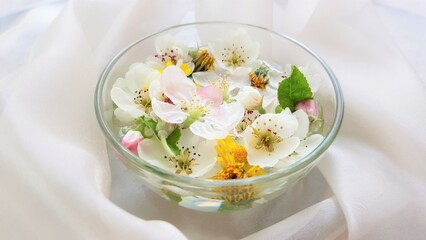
(220, 195)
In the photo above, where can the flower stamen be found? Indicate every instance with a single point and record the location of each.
(183, 161)
(204, 61)
(143, 100)
(266, 139)
(259, 78)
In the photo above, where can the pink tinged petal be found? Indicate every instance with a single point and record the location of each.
(176, 85)
(168, 112)
(211, 93)
(131, 140)
(308, 106)
(227, 116)
(303, 121)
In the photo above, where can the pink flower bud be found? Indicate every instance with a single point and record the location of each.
(309, 107)
(131, 140)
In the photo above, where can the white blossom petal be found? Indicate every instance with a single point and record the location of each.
(152, 151)
(121, 98)
(155, 90)
(204, 79)
(309, 144)
(172, 46)
(303, 120)
(124, 101)
(207, 130)
(284, 124)
(123, 116)
(140, 76)
(269, 159)
(207, 159)
(235, 51)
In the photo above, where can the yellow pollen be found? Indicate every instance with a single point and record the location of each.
(203, 61)
(258, 81)
(240, 154)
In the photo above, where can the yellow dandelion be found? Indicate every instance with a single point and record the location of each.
(233, 159)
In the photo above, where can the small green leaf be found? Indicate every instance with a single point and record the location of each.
(294, 89)
(278, 109)
(147, 127)
(172, 140)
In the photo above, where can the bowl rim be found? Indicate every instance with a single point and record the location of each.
(140, 164)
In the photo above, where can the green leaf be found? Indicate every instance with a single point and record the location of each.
(172, 140)
(294, 89)
(146, 126)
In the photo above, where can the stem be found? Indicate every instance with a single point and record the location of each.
(166, 147)
(261, 110)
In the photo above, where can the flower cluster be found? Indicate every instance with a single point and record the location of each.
(217, 111)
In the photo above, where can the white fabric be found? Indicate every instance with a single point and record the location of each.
(55, 178)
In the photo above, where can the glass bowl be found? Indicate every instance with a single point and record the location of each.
(208, 194)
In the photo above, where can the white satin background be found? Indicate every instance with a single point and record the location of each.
(57, 183)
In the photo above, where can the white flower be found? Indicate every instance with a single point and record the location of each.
(307, 143)
(171, 48)
(250, 98)
(271, 138)
(203, 113)
(197, 155)
(248, 119)
(238, 50)
(130, 94)
(266, 79)
(228, 82)
(171, 51)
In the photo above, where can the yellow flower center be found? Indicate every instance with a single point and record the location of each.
(203, 61)
(259, 78)
(240, 154)
(142, 99)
